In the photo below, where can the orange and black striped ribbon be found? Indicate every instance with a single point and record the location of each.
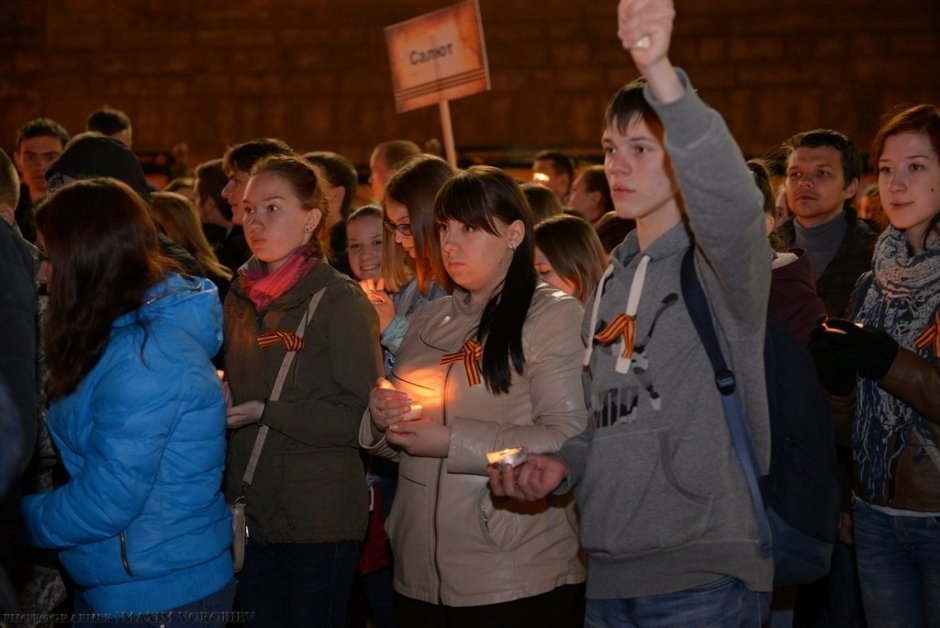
(291, 341)
(622, 325)
(469, 354)
(931, 335)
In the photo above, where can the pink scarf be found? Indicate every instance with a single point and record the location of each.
(263, 287)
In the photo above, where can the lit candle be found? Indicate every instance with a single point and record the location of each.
(513, 456)
(414, 413)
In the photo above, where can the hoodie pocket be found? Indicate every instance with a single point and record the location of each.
(631, 500)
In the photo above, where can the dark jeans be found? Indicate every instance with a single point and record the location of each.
(725, 603)
(297, 584)
(559, 608)
(898, 567)
(205, 613)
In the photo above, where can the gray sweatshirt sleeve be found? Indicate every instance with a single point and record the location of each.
(722, 203)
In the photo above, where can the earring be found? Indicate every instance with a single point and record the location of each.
(512, 246)
(308, 229)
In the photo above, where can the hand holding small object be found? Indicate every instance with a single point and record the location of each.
(531, 480)
(644, 28)
(854, 347)
(380, 299)
(420, 437)
(387, 405)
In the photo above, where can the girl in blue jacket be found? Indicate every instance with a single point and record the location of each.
(137, 414)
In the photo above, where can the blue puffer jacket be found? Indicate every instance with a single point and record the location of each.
(142, 523)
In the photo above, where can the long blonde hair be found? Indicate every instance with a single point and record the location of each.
(178, 218)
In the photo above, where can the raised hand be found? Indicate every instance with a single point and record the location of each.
(645, 29)
(381, 300)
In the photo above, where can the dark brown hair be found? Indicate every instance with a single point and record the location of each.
(102, 245)
(480, 197)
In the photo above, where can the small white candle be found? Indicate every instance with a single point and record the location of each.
(513, 456)
(414, 413)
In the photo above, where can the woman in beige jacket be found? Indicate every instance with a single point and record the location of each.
(494, 366)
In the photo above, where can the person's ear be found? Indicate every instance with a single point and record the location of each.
(851, 189)
(769, 221)
(314, 216)
(516, 233)
(7, 213)
(596, 198)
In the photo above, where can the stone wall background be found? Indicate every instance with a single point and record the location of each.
(314, 72)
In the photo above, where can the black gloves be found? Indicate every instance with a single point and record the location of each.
(841, 348)
(836, 379)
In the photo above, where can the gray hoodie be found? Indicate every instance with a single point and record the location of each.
(663, 500)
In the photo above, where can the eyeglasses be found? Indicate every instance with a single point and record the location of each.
(404, 229)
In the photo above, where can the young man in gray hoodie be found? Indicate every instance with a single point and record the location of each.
(666, 516)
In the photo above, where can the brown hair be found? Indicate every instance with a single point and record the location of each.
(542, 201)
(415, 185)
(9, 181)
(102, 245)
(595, 180)
(572, 247)
(178, 218)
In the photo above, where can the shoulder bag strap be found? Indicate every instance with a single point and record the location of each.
(697, 304)
(276, 393)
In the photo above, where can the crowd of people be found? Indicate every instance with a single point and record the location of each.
(474, 400)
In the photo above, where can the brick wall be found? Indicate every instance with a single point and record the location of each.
(314, 72)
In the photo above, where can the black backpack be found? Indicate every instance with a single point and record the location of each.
(797, 503)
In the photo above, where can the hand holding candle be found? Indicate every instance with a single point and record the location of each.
(513, 456)
(388, 406)
(414, 413)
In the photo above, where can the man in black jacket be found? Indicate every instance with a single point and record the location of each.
(823, 172)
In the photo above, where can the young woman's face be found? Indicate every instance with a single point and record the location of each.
(397, 214)
(475, 259)
(909, 184)
(549, 276)
(364, 247)
(276, 223)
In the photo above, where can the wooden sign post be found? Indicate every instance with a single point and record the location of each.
(438, 57)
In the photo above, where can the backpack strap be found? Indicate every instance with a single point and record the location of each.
(697, 304)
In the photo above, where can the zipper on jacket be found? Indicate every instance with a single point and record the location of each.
(124, 561)
(437, 491)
